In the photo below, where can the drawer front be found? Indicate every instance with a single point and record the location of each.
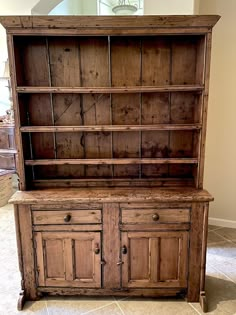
(66, 217)
(150, 216)
(7, 161)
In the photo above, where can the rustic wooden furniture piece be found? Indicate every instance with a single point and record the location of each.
(7, 149)
(110, 127)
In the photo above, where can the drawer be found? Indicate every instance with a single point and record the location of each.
(66, 217)
(150, 216)
(7, 161)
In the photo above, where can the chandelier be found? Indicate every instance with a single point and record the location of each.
(124, 8)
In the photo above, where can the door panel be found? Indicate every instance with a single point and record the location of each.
(68, 259)
(155, 259)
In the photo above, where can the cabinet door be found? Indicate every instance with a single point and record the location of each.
(68, 259)
(154, 259)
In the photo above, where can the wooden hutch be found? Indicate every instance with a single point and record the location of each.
(110, 119)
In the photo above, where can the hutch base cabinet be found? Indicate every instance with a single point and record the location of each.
(122, 242)
(110, 117)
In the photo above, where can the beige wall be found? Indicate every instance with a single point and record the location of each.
(220, 168)
(166, 7)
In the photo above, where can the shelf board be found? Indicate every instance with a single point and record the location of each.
(120, 161)
(110, 128)
(8, 151)
(108, 90)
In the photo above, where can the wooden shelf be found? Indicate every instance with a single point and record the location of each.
(122, 161)
(111, 128)
(108, 90)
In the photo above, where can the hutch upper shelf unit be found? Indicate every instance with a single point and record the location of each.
(104, 108)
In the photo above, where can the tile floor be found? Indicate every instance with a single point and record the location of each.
(220, 283)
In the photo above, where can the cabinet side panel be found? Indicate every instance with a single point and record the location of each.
(19, 156)
(195, 251)
(28, 261)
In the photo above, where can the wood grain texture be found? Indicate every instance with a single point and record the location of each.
(195, 252)
(27, 250)
(127, 194)
(186, 21)
(146, 216)
(58, 217)
(115, 89)
(111, 246)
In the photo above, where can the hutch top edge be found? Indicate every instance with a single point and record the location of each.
(73, 22)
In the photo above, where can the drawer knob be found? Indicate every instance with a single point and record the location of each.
(155, 217)
(67, 218)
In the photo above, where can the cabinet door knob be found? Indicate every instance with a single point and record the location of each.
(124, 250)
(67, 218)
(96, 250)
(155, 217)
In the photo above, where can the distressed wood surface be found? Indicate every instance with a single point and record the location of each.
(95, 128)
(111, 246)
(146, 216)
(168, 21)
(122, 161)
(57, 217)
(128, 194)
(118, 89)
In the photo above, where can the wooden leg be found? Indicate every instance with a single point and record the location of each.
(203, 301)
(21, 300)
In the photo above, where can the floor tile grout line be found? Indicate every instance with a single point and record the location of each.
(223, 237)
(117, 303)
(222, 273)
(99, 308)
(192, 306)
(215, 243)
(215, 229)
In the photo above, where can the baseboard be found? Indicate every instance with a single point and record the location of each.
(222, 222)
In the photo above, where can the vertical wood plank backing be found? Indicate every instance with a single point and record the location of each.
(195, 252)
(155, 109)
(64, 54)
(96, 108)
(183, 60)
(154, 254)
(55, 257)
(96, 111)
(169, 254)
(184, 105)
(28, 261)
(64, 61)
(200, 62)
(181, 144)
(204, 110)
(156, 67)
(67, 111)
(19, 158)
(155, 145)
(34, 59)
(155, 61)
(139, 258)
(126, 72)
(111, 245)
(84, 264)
